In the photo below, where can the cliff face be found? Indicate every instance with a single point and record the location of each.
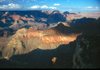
(42, 48)
(87, 53)
(23, 40)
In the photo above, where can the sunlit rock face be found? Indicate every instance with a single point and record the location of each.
(3, 20)
(15, 17)
(47, 12)
(57, 39)
(36, 43)
(5, 14)
(24, 18)
(95, 15)
(73, 16)
(19, 18)
(32, 39)
(64, 23)
(20, 21)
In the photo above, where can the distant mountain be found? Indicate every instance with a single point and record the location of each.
(45, 19)
(83, 20)
(66, 12)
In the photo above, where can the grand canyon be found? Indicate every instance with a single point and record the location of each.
(49, 39)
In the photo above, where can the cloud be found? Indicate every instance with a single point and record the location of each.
(44, 6)
(97, 7)
(41, 7)
(34, 7)
(89, 7)
(53, 7)
(56, 4)
(10, 6)
(70, 9)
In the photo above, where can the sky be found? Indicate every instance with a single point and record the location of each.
(51, 5)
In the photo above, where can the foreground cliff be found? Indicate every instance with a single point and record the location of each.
(87, 53)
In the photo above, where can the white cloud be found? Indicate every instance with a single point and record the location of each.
(56, 4)
(53, 7)
(34, 7)
(89, 7)
(44, 6)
(70, 9)
(10, 6)
(97, 7)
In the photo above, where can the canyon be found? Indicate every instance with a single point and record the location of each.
(45, 39)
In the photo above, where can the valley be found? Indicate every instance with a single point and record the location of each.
(45, 39)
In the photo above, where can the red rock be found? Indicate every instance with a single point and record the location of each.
(47, 12)
(54, 59)
(24, 18)
(57, 39)
(32, 16)
(3, 20)
(33, 35)
(20, 20)
(15, 17)
(4, 15)
(64, 23)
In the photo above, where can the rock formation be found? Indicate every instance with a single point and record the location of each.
(32, 45)
(87, 53)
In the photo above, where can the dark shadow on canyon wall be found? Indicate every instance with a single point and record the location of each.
(5, 24)
(83, 20)
(36, 13)
(86, 29)
(39, 58)
(55, 18)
